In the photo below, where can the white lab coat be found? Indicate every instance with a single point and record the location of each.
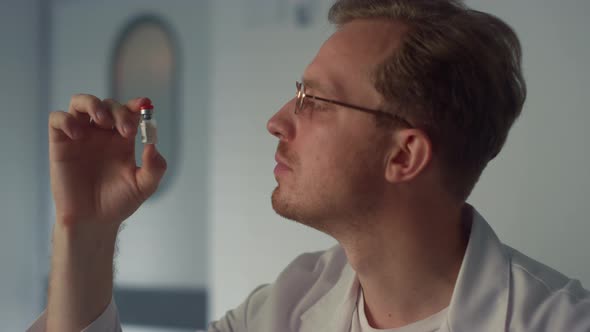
(498, 289)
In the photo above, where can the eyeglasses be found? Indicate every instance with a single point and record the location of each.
(300, 102)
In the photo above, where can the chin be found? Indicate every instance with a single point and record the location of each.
(288, 209)
(282, 206)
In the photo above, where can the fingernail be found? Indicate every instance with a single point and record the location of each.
(99, 115)
(127, 129)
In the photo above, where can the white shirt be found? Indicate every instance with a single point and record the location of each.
(360, 323)
(497, 289)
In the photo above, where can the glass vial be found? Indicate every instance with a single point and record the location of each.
(147, 125)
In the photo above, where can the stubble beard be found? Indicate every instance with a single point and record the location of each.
(292, 208)
(332, 207)
(283, 207)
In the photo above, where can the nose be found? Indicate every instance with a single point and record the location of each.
(282, 124)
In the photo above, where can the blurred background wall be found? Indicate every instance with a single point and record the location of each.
(20, 175)
(211, 236)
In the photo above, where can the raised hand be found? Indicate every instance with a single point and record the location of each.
(93, 171)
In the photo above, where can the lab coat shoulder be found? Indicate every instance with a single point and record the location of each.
(281, 304)
(236, 320)
(543, 299)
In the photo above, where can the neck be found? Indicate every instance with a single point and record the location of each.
(408, 264)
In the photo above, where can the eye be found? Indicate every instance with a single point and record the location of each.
(316, 106)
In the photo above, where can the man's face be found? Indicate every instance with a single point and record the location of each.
(331, 159)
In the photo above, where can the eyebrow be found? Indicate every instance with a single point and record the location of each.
(316, 85)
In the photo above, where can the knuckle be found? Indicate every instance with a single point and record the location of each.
(57, 118)
(94, 101)
(82, 96)
(121, 111)
(55, 114)
(110, 101)
(51, 118)
(86, 99)
(76, 96)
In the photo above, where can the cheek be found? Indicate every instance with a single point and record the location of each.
(321, 159)
(339, 158)
(330, 161)
(358, 162)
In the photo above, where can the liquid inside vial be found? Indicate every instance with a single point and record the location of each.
(147, 125)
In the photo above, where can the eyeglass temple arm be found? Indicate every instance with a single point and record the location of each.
(362, 109)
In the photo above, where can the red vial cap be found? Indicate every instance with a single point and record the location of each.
(146, 106)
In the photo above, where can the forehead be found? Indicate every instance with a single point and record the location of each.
(346, 60)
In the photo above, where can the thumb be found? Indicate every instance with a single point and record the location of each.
(153, 167)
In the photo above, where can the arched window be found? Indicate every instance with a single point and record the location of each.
(145, 63)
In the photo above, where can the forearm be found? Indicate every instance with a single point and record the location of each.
(81, 281)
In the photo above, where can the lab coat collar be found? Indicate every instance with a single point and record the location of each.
(480, 297)
(342, 298)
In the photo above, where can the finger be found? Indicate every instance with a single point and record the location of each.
(64, 126)
(125, 121)
(150, 174)
(85, 104)
(134, 105)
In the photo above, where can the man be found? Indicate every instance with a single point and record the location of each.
(394, 121)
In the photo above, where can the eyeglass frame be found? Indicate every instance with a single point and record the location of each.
(300, 96)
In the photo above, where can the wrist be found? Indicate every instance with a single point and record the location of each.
(81, 280)
(85, 242)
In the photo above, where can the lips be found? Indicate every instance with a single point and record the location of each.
(281, 161)
(282, 165)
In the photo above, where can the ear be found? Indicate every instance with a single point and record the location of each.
(409, 155)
